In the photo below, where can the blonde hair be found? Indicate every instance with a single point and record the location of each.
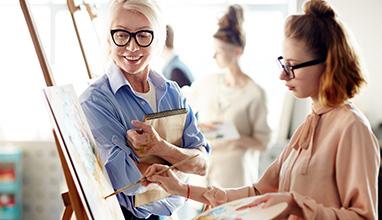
(325, 36)
(148, 8)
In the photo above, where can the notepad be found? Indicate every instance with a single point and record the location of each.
(169, 125)
(224, 131)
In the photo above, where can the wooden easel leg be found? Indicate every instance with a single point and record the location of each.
(67, 215)
(71, 198)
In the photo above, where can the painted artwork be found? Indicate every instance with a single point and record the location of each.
(229, 211)
(91, 179)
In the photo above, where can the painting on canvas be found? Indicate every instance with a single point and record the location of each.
(91, 180)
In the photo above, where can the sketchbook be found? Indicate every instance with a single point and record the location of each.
(169, 125)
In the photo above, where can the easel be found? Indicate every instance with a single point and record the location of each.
(91, 15)
(71, 198)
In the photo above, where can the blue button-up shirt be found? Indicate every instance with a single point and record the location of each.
(110, 104)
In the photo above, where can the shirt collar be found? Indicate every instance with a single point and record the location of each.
(319, 109)
(118, 80)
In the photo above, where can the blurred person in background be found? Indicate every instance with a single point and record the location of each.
(232, 100)
(175, 69)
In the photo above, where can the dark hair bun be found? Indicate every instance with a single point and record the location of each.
(319, 8)
(231, 26)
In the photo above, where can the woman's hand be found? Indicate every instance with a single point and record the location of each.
(144, 139)
(271, 199)
(167, 180)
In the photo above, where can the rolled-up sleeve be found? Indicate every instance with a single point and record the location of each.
(116, 156)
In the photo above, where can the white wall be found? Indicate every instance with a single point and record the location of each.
(363, 20)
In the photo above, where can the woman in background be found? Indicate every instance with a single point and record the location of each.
(175, 69)
(329, 169)
(232, 99)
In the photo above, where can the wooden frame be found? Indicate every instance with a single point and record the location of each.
(46, 71)
(70, 198)
(89, 12)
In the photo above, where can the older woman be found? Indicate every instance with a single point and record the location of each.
(116, 104)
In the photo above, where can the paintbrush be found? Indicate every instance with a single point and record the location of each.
(128, 186)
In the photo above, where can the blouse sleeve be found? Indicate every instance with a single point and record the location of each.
(357, 164)
(258, 117)
(269, 181)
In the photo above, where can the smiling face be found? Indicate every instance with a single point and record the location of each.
(132, 59)
(307, 79)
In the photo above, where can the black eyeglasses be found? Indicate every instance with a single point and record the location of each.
(122, 37)
(289, 68)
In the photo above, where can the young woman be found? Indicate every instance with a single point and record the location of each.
(233, 98)
(116, 104)
(329, 169)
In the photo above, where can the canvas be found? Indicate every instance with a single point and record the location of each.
(91, 180)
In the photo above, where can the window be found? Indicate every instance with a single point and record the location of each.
(23, 114)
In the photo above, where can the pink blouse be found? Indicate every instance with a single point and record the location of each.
(330, 166)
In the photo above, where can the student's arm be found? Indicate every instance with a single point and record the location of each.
(213, 195)
(357, 164)
(208, 195)
(154, 145)
(197, 165)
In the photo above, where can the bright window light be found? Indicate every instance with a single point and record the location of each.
(23, 114)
